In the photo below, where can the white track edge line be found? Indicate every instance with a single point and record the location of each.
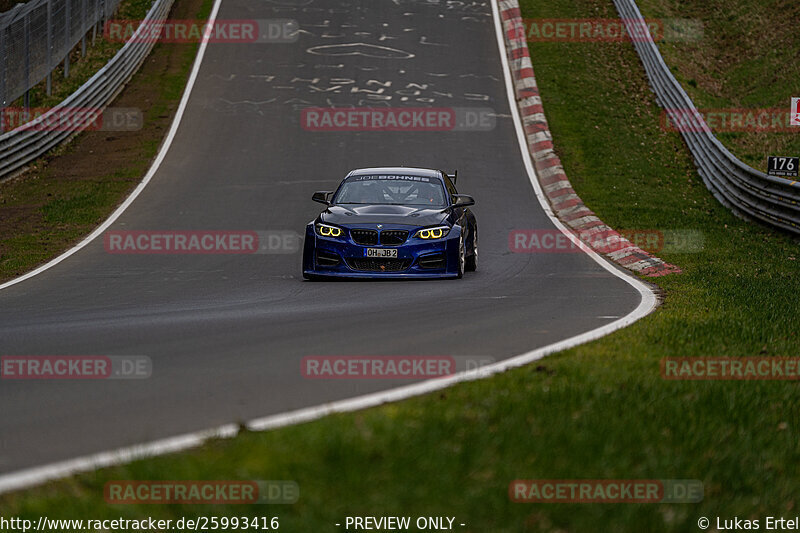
(35, 476)
(164, 148)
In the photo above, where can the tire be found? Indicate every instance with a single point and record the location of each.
(462, 257)
(472, 258)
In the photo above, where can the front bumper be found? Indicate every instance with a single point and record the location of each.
(342, 257)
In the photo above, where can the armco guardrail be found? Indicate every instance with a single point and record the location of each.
(748, 192)
(26, 143)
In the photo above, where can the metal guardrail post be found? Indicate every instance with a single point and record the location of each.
(49, 47)
(3, 65)
(67, 35)
(83, 27)
(27, 26)
(97, 17)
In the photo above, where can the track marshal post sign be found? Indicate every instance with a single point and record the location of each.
(785, 167)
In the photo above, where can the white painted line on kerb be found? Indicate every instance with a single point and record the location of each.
(38, 475)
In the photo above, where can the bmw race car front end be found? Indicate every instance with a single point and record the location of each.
(381, 250)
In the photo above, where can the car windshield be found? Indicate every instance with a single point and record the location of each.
(391, 190)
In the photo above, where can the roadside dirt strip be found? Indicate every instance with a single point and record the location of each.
(566, 204)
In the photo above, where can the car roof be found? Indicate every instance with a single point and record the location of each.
(408, 171)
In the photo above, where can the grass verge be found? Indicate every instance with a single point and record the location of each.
(598, 411)
(746, 59)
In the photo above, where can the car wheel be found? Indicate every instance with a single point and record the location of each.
(472, 258)
(462, 257)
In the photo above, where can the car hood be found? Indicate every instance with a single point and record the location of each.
(383, 214)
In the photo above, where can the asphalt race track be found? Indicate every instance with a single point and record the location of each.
(226, 333)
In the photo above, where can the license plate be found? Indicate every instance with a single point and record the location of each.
(380, 252)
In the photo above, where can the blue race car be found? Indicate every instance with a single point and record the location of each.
(392, 222)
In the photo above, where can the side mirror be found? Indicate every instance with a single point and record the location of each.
(322, 197)
(463, 200)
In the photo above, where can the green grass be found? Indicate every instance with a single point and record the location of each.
(600, 410)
